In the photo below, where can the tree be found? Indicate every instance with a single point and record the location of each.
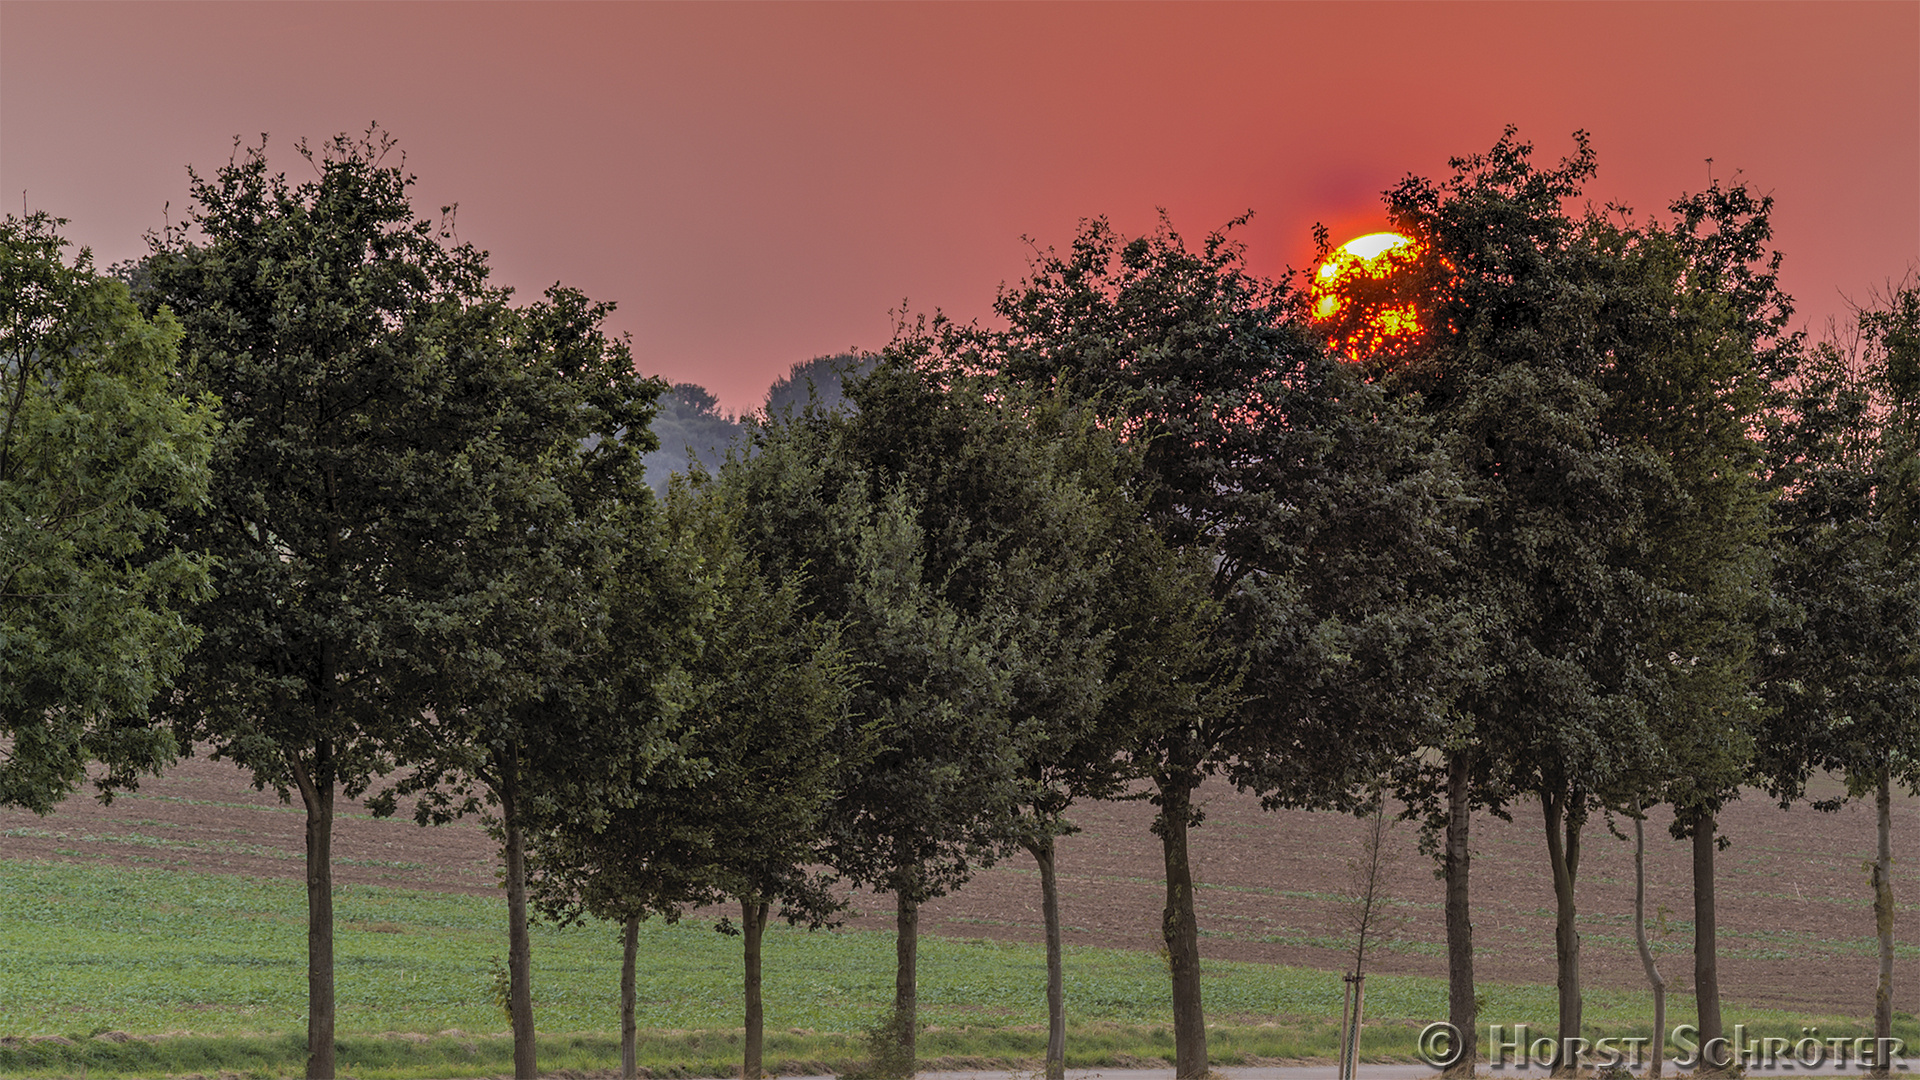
(819, 382)
(1844, 673)
(1361, 920)
(1145, 607)
(946, 520)
(1157, 619)
(351, 346)
(692, 431)
(1655, 980)
(543, 689)
(98, 447)
(1313, 506)
(1698, 341)
(1600, 380)
(757, 701)
(1511, 371)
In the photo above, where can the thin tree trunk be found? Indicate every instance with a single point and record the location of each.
(1564, 815)
(316, 794)
(753, 928)
(1883, 923)
(1056, 1068)
(1181, 929)
(1654, 978)
(1462, 1011)
(630, 955)
(906, 984)
(1706, 963)
(519, 948)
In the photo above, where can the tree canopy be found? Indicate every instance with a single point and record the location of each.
(99, 446)
(819, 382)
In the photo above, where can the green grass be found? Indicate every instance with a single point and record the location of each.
(217, 964)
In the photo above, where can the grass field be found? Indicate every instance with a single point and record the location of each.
(96, 960)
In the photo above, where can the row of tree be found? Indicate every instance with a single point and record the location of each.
(1605, 534)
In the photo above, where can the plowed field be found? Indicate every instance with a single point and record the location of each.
(1795, 913)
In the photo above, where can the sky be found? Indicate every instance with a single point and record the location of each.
(755, 185)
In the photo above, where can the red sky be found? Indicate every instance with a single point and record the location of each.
(756, 185)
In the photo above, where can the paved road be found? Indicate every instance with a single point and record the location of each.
(1367, 1072)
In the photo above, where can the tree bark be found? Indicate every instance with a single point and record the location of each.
(1654, 978)
(1883, 922)
(1462, 1011)
(1706, 963)
(1565, 814)
(1180, 927)
(519, 948)
(1056, 1068)
(316, 794)
(906, 985)
(630, 955)
(753, 928)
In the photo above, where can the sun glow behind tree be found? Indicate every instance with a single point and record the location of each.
(1359, 297)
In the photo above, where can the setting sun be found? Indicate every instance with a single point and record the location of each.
(1354, 297)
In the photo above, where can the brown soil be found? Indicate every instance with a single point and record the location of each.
(1796, 920)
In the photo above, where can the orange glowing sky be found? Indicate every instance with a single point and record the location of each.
(755, 185)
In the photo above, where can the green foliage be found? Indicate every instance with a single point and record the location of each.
(1844, 667)
(338, 333)
(1312, 510)
(887, 1055)
(1555, 703)
(1283, 624)
(757, 704)
(1602, 381)
(420, 499)
(955, 529)
(1696, 333)
(543, 689)
(99, 446)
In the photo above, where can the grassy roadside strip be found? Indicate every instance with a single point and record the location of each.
(114, 972)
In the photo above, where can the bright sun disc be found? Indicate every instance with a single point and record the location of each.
(1348, 277)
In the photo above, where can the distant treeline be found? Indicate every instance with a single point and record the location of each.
(692, 429)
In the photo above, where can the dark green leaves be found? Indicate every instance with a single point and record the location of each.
(99, 445)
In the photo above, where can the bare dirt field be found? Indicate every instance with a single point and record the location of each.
(1795, 913)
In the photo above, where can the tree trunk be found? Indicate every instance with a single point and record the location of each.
(316, 793)
(753, 927)
(519, 948)
(1462, 1011)
(1565, 815)
(1883, 923)
(906, 985)
(1654, 978)
(630, 955)
(1042, 851)
(1181, 928)
(1706, 963)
